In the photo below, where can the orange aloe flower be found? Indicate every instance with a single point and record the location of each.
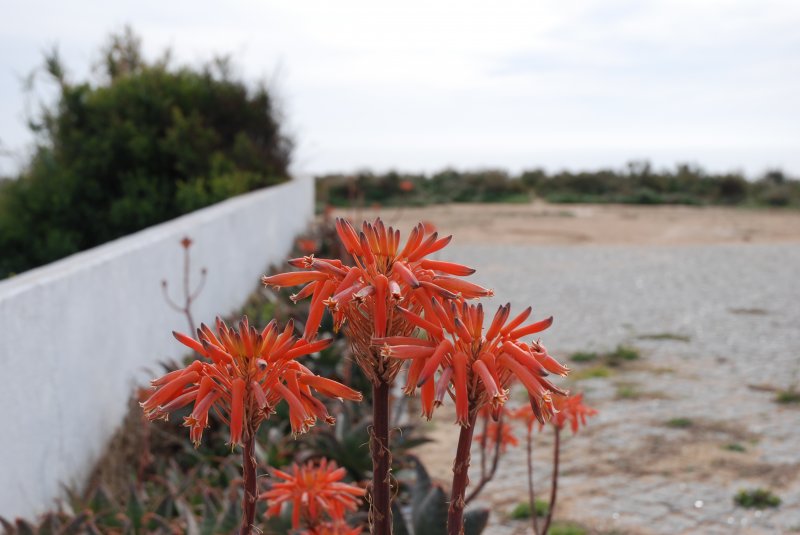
(478, 365)
(569, 409)
(313, 490)
(242, 375)
(507, 437)
(363, 296)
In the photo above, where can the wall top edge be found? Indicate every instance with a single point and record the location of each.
(137, 240)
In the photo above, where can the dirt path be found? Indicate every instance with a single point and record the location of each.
(540, 223)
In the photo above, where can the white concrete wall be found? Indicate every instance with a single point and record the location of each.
(78, 334)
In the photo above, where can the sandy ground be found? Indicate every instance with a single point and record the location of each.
(709, 297)
(575, 224)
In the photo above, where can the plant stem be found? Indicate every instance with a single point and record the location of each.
(380, 502)
(531, 495)
(455, 514)
(554, 483)
(250, 491)
(488, 476)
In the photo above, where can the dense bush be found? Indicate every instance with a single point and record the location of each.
(638, 184)
(144, 144)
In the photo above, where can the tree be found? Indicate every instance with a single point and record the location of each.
(144, 144)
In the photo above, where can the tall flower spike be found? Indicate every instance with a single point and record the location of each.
(314, 490)
(363, 297)
(479, 367)
(242, 375)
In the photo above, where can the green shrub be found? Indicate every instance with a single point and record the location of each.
(522, 510)
(756, 499)
(679, 423)
(144, 144)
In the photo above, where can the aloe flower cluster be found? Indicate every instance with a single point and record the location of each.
(314, 491)
(397, 304)
(364, 296)
(242, 374)
(478, 365)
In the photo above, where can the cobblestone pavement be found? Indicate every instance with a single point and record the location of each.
(718, 331)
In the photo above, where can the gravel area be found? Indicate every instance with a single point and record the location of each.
(717, 329)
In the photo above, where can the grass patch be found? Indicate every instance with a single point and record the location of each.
(622, 354)
(679, 423)
(665, 336)
(756, 499)
(749, 311)
(522, 510)
(789, 396)
(566, 528)
(734, 446)
(628, 391)
(584, 356)
(594, 372)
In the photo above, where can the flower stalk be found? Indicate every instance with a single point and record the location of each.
(455, 513)
(554, 482)
(250, 482)
(380, 510)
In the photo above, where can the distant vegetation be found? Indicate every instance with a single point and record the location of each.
(142, 144)
(638, 184)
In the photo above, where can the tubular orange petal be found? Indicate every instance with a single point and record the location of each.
(195, 366)
(460, 385)
(258, 394)
(381, 292)
(405, 274)
(409, 351)
(413, 242)
(330, 387)
(316, 310)
(524, 375)
(438, 290)
(442, 349)
(307, 290)
(427, 397)
(462, 330)
(366, 251)
(189, 342)
(216, 354)
(327, 267)
(488, 382)
(348, 236)
(442, 384)
(413, 375)
(524, 358)
(421, 249)
(551, 364)
(444, 317)
(447, 267)
(402, 340)
(533, 328)
(206, 387)
(303, 347)
(180, 401)
(516, 322)
(294, 278)
(169, 391)
(422, 323)
(467, 289)
(237, 410)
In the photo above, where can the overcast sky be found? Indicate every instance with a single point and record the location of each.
(423, 85)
